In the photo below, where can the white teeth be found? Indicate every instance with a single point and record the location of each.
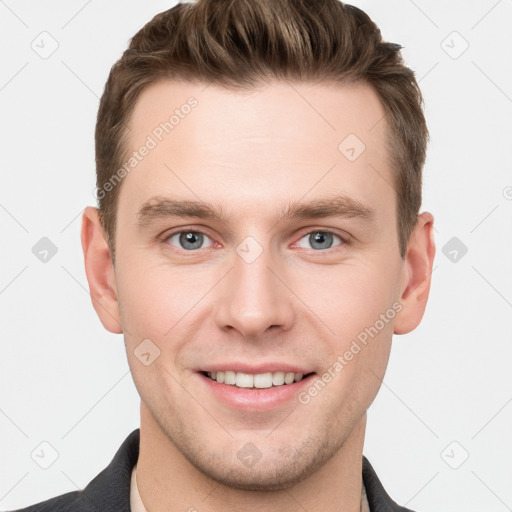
(289, 377)
(244, 380)
(260, 380)
(263, 380)
(230, 378)
(278, 378)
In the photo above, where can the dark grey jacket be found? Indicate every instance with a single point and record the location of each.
(109, 491)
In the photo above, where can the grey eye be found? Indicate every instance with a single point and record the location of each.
(189, 240)
(319, 240)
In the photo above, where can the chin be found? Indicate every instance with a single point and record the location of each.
(277, 470)
(274, 477)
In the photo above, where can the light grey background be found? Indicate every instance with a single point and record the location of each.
(447, 392)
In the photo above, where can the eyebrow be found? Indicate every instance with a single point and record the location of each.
(162, 207)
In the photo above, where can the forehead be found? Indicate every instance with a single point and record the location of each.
(282, 139)
(320, 109)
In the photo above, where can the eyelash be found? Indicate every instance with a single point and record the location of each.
(344, 240)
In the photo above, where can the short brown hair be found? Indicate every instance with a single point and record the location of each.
(240, 44)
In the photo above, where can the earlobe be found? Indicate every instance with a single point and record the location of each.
(100, 271)
(417, 272)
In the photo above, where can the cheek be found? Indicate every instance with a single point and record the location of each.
(157, 383)
(161, 304)
(348, 297)
(153, 298)
(355, 302)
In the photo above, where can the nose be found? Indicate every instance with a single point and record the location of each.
(254, 297)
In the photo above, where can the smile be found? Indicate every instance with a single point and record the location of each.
(258, 380)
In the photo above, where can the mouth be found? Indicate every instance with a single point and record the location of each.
(263, 380)
(254, 388)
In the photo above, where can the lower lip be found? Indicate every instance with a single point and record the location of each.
(255, 399)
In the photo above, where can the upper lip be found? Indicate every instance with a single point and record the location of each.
(255, 369)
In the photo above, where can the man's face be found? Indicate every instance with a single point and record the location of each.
(258, 291)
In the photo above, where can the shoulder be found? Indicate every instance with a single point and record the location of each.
(71, 501)
(378, 499)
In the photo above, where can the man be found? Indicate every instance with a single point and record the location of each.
(258, 241)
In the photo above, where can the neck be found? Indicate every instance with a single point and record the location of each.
(168, 481)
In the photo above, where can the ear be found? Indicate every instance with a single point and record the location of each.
(100, 271)
(416, 272)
